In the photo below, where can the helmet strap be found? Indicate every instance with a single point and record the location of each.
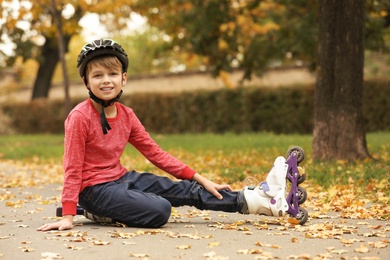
(103, 120)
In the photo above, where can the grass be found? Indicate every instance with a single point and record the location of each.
(227, 157)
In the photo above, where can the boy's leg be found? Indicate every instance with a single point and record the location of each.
(129, 206)
(186, 193)
(145, 199)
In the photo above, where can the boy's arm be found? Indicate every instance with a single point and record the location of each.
(210, 186)
(74, 153)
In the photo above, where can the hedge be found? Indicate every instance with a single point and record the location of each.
(281, 110)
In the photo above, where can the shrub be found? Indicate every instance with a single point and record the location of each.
(283, 110)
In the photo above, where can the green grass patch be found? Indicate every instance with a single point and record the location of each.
(32, 147)
(225, 157)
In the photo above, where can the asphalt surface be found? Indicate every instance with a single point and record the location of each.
(190, 234)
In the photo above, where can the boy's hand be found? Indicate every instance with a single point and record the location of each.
(210, 186)
(65, 223)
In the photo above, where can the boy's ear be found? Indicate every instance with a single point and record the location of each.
(124, 78)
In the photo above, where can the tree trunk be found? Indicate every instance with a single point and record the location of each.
(47, 64)
(339, 126)
(61, 52)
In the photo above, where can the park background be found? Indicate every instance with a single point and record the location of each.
(224, 85)
(203, 103)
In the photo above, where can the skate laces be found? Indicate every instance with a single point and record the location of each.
(250, 181)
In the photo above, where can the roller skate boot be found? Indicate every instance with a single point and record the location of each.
(268, 198)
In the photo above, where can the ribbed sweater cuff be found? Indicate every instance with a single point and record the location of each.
(187, 173)
(69, 208)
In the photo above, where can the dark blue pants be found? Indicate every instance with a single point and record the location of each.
(146, 200)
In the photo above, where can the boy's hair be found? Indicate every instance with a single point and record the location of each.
(107, 61)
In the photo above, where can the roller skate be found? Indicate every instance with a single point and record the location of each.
(269, 197)
(88, 215)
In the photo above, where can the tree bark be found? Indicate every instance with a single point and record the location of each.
(339, 126)
(47, 64)
(61, 52)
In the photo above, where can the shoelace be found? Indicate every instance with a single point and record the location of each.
(250, 181)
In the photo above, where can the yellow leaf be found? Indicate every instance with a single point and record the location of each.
(339, 252)
(50, 255)
(100, 242)
(378, 244)
(249, 251)
(362, 249)
(183, 247)
(10, 204)
(214, 244)
(304, 256)
(139, 255)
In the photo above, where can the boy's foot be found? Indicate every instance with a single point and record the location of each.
(268, 198)
(96, 218)
(258, 202)
(88, 215)
(276, 179)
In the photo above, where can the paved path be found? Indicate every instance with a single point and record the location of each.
(190, 234)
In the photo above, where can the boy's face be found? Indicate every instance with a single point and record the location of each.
(105, 82)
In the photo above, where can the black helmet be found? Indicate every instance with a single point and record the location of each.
(99, 47)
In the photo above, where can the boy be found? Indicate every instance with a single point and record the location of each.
(96, 133)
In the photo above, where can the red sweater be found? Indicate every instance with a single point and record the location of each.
(91, 157)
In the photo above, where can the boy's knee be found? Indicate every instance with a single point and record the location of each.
(161, 213)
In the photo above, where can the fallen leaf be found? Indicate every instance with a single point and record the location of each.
(339, 251)
(50, 255)
(183, 247)
(293, 221)
(378, 244)
(73, 247)
(213, 244)
(249, 251)
(26, 249)
(139, 255)
(258, 243)
(100, 242)
(362, 249)
(304, 256)
(375, 227)
(22, 226)
(128, 243)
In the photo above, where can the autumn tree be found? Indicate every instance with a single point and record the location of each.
(30, 25)
(252, 35)
(246, 35)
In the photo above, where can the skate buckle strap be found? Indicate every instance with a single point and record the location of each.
(264, 186)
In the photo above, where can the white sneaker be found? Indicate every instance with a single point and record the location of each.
(97, 218)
